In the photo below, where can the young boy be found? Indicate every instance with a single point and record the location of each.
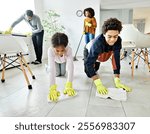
(60, 59)
(106, 45)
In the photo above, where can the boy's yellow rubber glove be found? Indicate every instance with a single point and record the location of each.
(53, 93)
(100, 88)
(69, 90)
(120, 85)
(8, 31)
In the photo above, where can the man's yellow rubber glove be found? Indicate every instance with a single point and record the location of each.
(8, 31)
(120, 85)
(100, 88)
(88, 24)
(53, 93)
(69, 90)
(83, 32)
(28, 34)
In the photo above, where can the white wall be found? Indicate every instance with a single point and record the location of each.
(12, 10)
(39, 8)
(124, 15)
(117, 4)
(73, 24)
(147, 25)
(143, 13)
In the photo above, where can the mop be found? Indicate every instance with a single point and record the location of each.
(74, 58)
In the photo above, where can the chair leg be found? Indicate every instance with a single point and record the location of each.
(24, 72)
(132, 63)
(3, 69)
(138, 60)
(146, 61)
(122, 56)
(146, 54)
(33, 77)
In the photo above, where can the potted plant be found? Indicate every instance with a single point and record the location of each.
(51, 24)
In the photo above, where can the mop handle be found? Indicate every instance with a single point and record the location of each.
(78, 45)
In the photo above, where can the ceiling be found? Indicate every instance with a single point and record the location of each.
(117, 4)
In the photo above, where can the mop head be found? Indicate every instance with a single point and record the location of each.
(62, 97)
(115, 94)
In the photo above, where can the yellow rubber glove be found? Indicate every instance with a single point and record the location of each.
(8, 31)
(69, 90)
(100, 88)
(83, 32)
(28, 34)
(120, 85)
(88, 24)
(53, 93)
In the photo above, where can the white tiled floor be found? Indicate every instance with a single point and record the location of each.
(17, 100)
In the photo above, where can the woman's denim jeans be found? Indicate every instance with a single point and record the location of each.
(89, 37)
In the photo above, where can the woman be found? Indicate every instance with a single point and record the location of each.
(90, 24)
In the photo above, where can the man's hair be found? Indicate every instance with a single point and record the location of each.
(59, 39)
(90, 10)
(111, 24)
(29, 13)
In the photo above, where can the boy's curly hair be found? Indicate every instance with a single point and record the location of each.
(59, 39)
(111, 24)
(90, 10)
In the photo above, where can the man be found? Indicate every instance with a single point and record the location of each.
(37, 32)
(106, 45)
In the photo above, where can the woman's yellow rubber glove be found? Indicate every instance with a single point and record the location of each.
(83, 32)
(53, 93)
(120, 85)
(69, 90)
(100, 88)
(88, 24)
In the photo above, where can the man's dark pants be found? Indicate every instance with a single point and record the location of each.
(38, 44)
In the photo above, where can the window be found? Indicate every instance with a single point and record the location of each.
(10, 10)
